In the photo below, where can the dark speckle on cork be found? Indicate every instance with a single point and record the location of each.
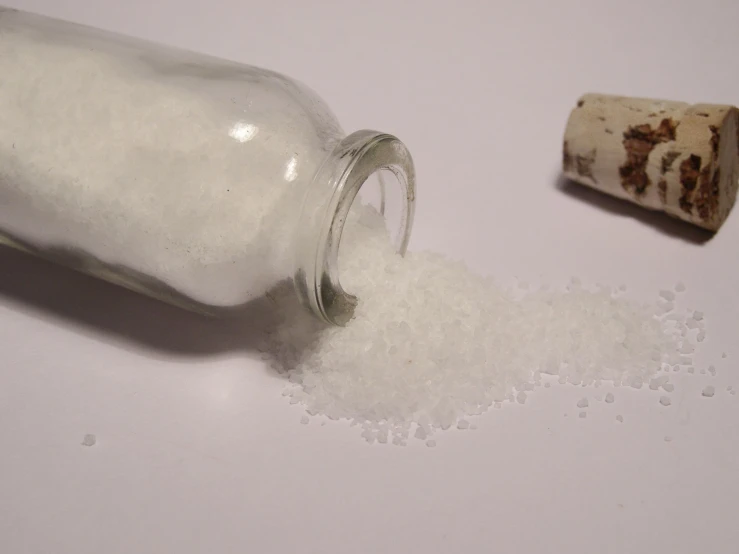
(667, 160)
(584, 164)
(715, 140)
(689, 173)
(666, 131)
(566, 157)
(706, 197)
(662, 188)
(639, 141)
(580, 103)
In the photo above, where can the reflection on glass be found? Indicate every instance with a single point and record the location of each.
(291, 171)
(243, 132)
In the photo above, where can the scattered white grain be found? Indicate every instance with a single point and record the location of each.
(463, 424)
(440, 343)
(668, 439)
(304, 420)
(620, 418)
(712, 370)
(680, 287)
(583, 415)
(665, 400)
(582, 403)
(89, 440)
(709, 391)
(431, 443)
(668, 387)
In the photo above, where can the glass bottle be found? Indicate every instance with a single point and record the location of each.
(198, 181)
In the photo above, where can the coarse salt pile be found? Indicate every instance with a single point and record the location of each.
(432, 342)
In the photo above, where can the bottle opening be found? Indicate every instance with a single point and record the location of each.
(385, 193)
(374, 226)
(376, 164)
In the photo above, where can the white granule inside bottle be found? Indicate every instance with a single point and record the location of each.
(433, 343)
(138, 142)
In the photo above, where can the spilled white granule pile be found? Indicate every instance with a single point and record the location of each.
(432, 342)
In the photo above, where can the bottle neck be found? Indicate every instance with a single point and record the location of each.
(326, 207)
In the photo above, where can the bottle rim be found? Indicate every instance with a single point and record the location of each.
(324, 213)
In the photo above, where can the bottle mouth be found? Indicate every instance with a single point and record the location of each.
(325, 210)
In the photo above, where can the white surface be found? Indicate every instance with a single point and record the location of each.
(196, 451)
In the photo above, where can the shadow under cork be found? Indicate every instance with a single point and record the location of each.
(659, 221)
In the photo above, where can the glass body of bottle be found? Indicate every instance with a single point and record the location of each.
(198, 181)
